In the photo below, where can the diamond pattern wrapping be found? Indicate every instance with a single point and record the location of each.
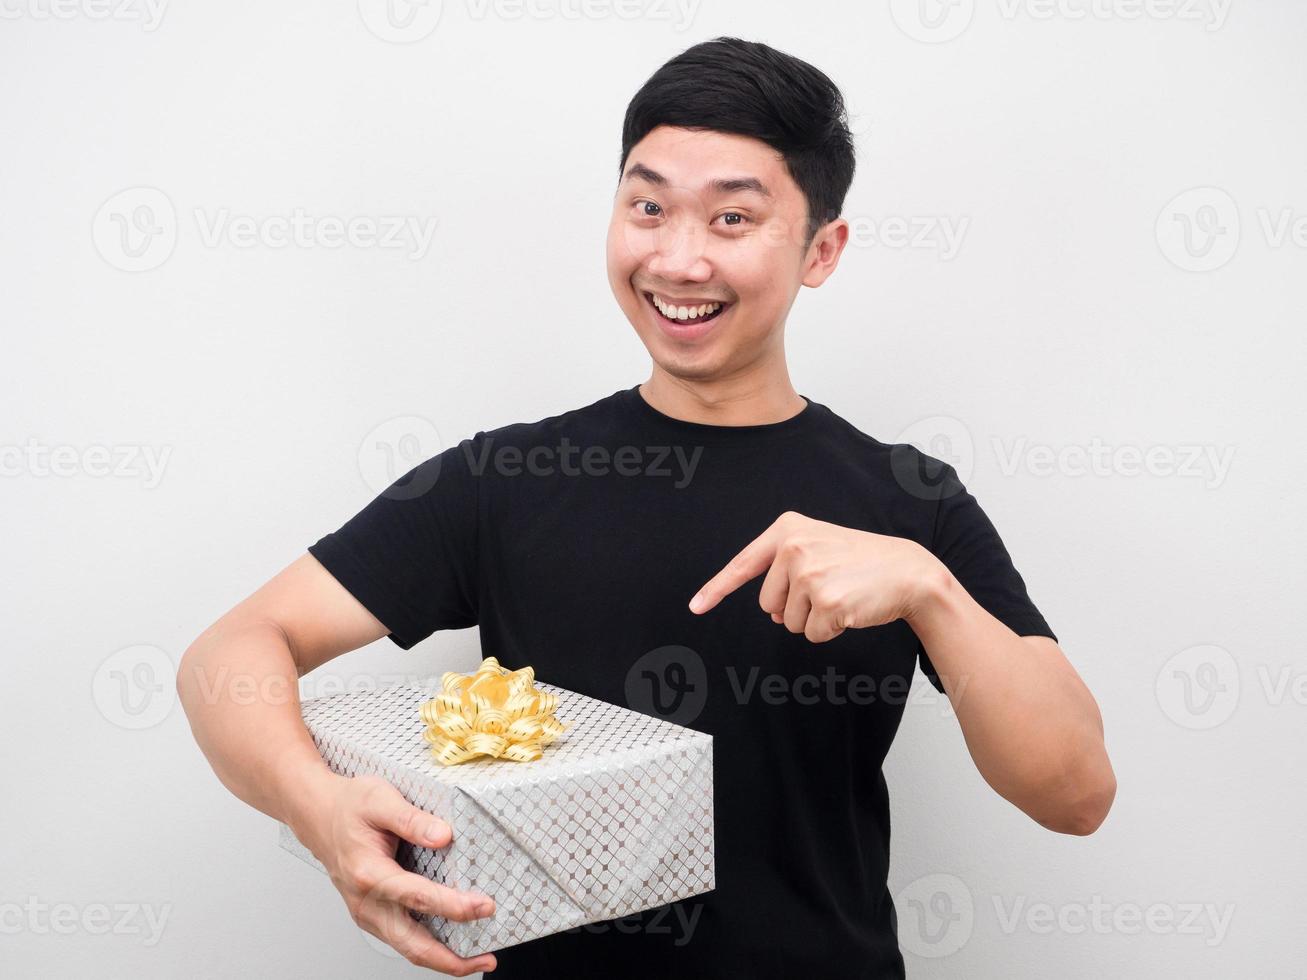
(615, 818)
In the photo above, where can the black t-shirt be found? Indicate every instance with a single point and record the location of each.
(575, 544)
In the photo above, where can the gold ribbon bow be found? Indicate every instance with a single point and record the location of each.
(496, 712)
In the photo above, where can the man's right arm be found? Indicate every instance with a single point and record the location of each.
(238, 683)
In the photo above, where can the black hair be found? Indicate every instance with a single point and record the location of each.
(751, 89)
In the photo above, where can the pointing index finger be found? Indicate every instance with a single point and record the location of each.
(755, 559)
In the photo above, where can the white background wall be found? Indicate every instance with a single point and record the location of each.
(1059, 143)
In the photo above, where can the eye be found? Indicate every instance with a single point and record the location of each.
(647, 209)
(741, 218)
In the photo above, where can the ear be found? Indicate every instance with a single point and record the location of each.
(824, 252)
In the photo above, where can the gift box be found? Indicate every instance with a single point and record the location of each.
(614, 816)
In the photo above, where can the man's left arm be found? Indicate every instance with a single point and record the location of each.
(1030, 723)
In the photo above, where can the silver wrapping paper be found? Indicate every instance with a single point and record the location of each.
(616, 817)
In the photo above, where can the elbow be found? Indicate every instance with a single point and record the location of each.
(184, 668)
(1084, 806)
(191, 671)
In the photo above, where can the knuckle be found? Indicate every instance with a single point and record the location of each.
(361, 877)
(807, 576)
(408, 897)
(412, 955)
(356, 913)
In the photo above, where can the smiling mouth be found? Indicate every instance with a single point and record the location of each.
(683, 315)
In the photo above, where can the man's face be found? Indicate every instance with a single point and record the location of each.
(703, 218)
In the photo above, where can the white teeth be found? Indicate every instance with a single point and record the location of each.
(686, 312)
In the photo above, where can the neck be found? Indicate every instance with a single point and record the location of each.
(759, 398)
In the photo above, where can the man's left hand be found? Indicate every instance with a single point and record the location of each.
(823, 578)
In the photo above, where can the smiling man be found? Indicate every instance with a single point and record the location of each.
(778, 594)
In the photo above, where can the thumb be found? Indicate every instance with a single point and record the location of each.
(386, 809)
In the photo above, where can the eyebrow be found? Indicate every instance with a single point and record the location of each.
(722, 185)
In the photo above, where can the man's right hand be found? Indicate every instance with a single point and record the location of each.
(354, 829)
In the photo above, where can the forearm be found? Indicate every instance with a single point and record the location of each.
(239, 687)
(1031, 725)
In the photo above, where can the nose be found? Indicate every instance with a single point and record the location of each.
(678, 254)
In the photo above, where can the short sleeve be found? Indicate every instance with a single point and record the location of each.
(410, 555)
(967, 542)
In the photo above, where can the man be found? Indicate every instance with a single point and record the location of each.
(709, 534)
